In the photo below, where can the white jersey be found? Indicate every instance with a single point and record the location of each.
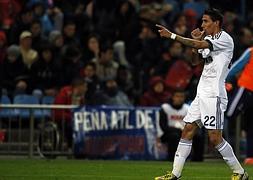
(175, 116)
(217, 60)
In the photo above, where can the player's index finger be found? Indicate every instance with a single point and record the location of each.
(160, 26)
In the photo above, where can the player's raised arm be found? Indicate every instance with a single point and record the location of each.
(194, 43)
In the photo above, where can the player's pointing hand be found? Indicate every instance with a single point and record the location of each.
(164, 32)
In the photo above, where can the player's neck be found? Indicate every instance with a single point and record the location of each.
(217, 30)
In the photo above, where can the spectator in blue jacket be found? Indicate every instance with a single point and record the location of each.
(242, 98)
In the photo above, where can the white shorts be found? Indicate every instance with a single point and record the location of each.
(208, 112)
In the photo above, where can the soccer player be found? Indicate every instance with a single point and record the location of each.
(215, 48)
(242, 99)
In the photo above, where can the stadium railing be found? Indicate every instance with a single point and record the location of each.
(31, 129)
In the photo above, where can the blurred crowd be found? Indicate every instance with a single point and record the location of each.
(112, 45)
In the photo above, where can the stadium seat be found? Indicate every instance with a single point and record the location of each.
(47, 100)
(27, 99)
(5, 112)
(5, 99)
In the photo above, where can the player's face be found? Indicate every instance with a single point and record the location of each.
(208, 25)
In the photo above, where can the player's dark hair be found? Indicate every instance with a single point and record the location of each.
(215, 15)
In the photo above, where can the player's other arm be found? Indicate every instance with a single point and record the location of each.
(196, 58)
(194, 43)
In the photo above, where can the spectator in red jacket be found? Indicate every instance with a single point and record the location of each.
(8, 12)
(156, 94)
(69, 95)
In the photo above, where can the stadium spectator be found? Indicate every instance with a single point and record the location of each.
(149, 48)
(179, 75)
(155, 10)
(250, 22)
(29, 55)
(57, 42)
(144, 51)
(125, 21)
(45, 72)
(191, 19)
(88, 72)
(156, 94)
(82, 19)
(231, 23)
(69, 33)
(91, 48)
(119, 49)
(170, 54)
(197, 7)
(8, 12)
(38, 7)
(13, 68)
(22, 23)
(37, 37)
(52, 20)
(180, 25)
(125, 83)
(245, 39)
(171, 122)
(73, 94)
(242, 99)
(111, 95)
(70, 64)
(105, 64)
(103, 18)
(66, 6)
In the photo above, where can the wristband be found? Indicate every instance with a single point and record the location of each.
(173, 36)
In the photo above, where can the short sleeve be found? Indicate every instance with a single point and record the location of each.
(218, 42)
